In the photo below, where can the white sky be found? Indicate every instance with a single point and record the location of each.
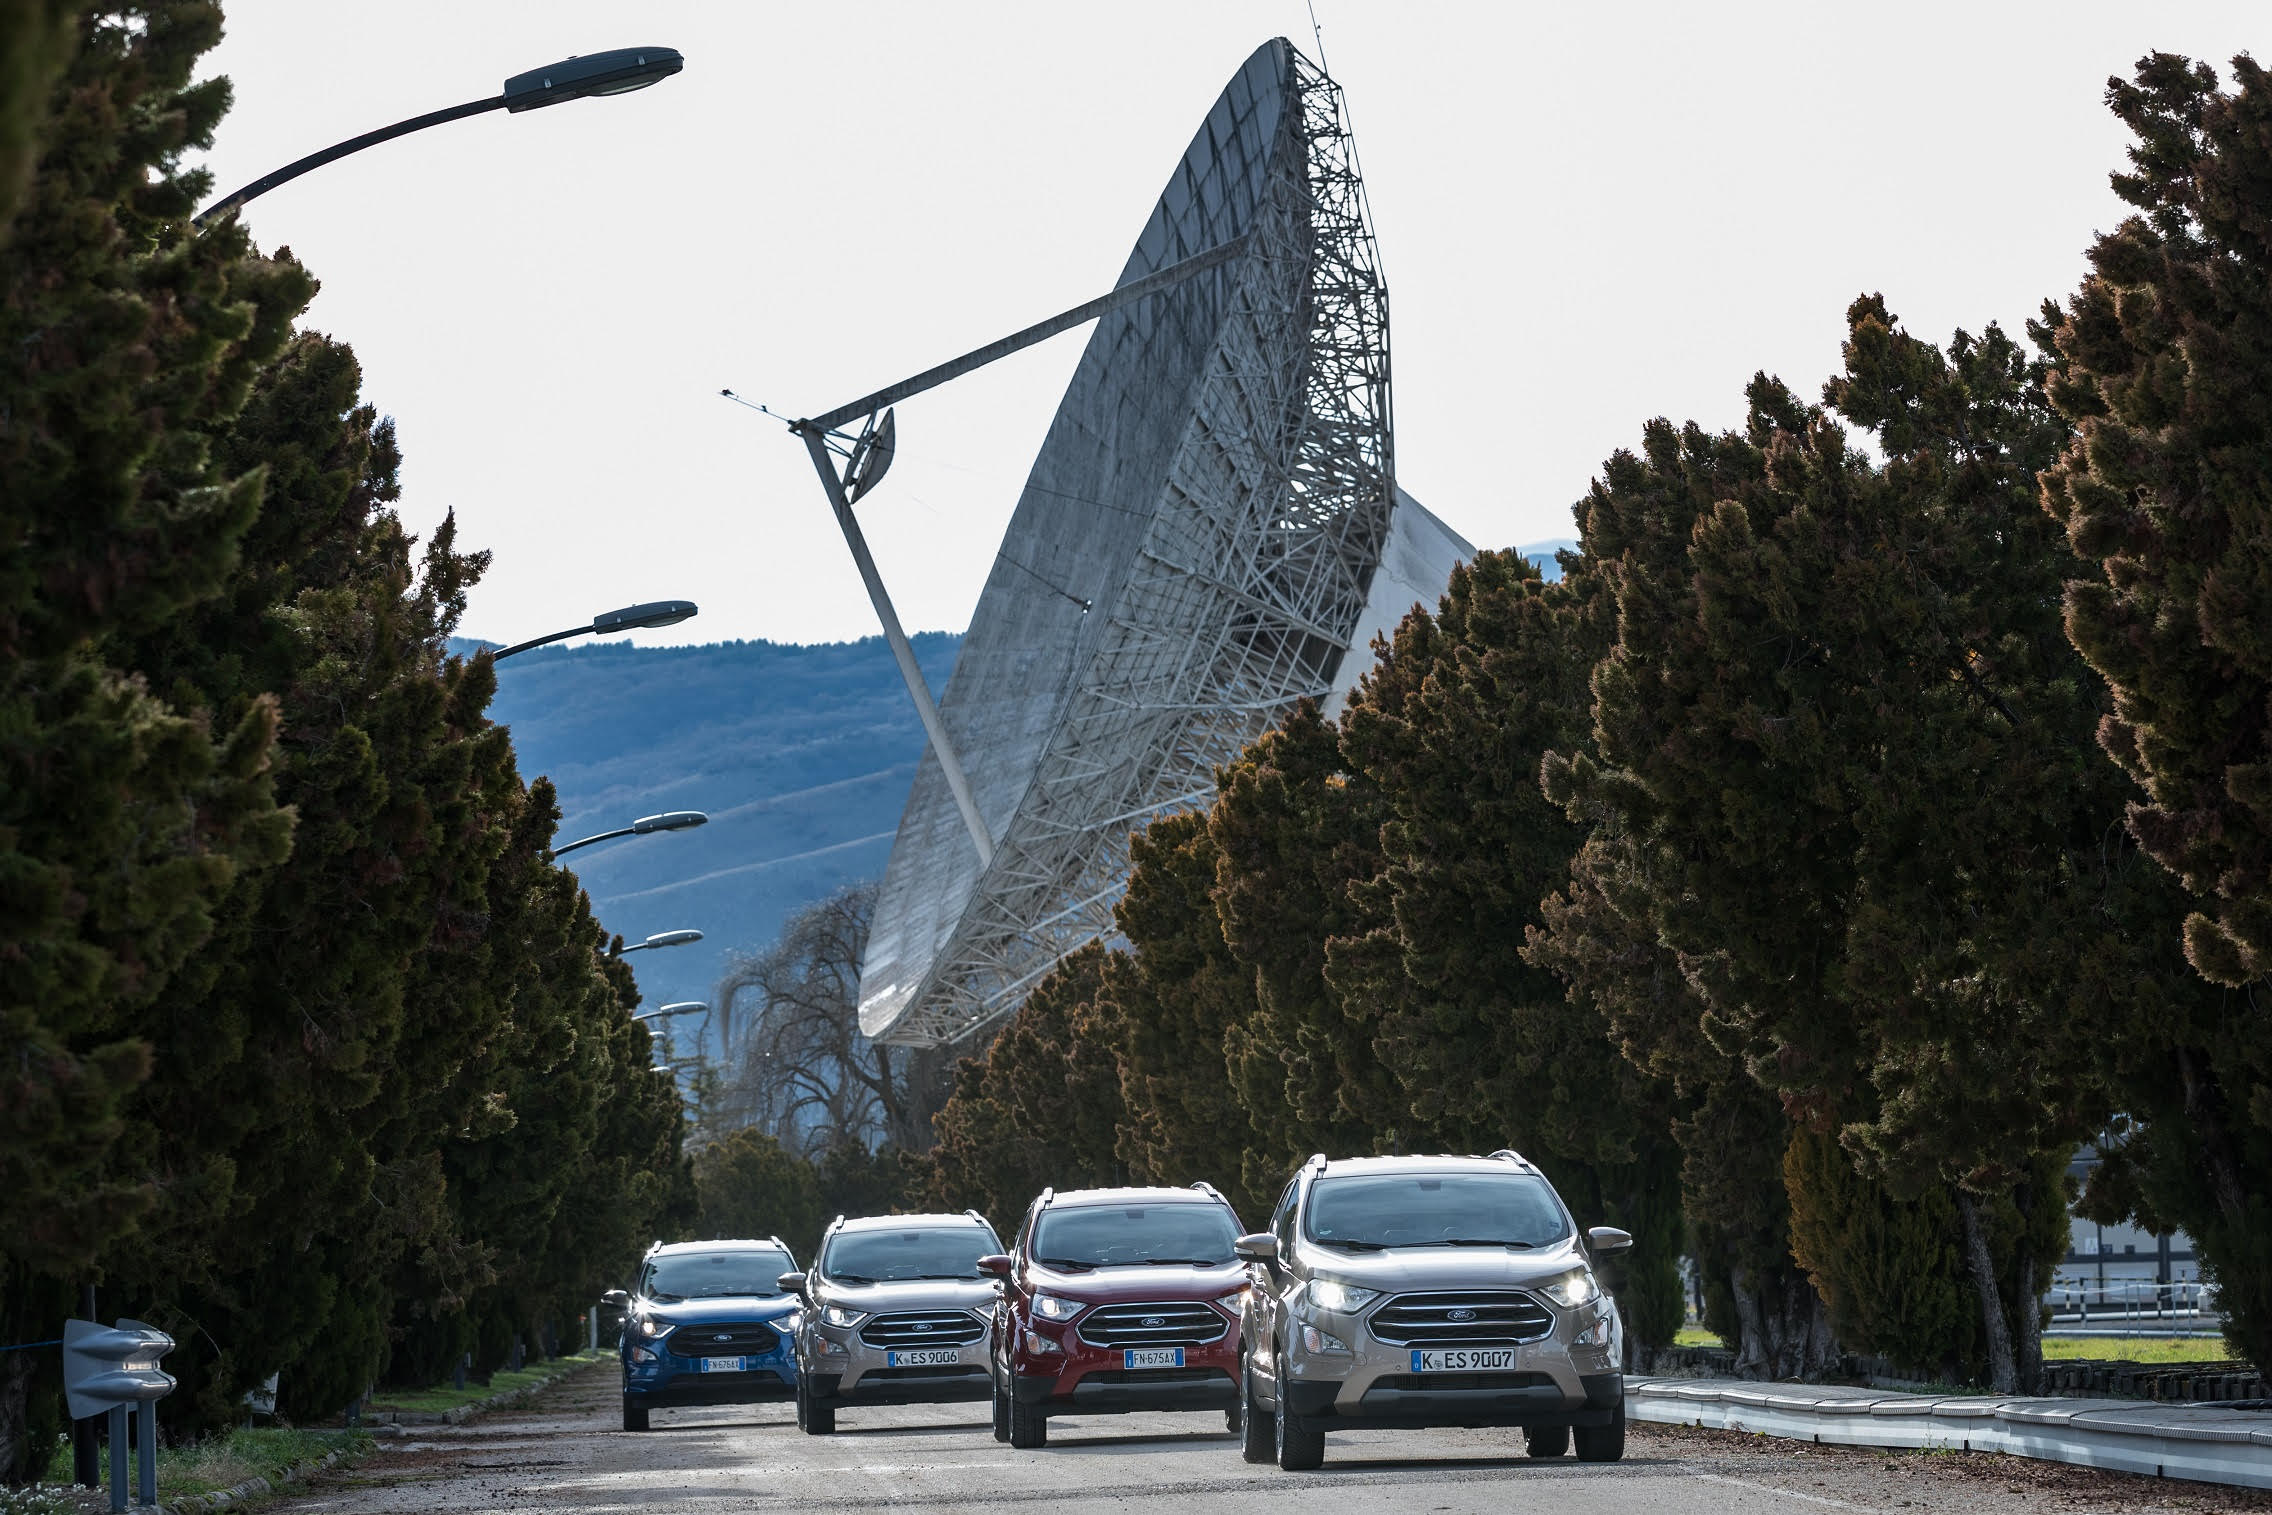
(1589, 215)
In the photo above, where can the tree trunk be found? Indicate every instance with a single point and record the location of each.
(2003, 1375)
(2027, 1305)
(16, 1455)
(1752, 1359)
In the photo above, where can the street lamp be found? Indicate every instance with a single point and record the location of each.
(666, 939)
(683, 1007)
(629, 618)
(611, 73)
(669, 820)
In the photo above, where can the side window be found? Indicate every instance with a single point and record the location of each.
(1282, 1220)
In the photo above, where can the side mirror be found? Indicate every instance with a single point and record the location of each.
(791, 1283)
(1258, 1247)
(997, 1264)
(616, 1299)
(1609, 1239)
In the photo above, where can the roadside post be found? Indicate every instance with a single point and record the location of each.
(107, 1370)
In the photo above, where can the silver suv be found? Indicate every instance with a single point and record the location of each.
(895, 1312)
(1428, 1291)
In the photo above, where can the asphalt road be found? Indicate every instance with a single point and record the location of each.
(566, 1453)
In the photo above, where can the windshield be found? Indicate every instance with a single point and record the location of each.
(874, 1257)
(714, 1275)
(1369, 1212)
(1121, 1236)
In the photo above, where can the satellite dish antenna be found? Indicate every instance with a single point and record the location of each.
(871, 456)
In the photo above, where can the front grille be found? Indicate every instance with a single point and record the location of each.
(1461, 1320)
(727, 1339)
(1463, 1381)
(923, 1328)
(1181, 1324)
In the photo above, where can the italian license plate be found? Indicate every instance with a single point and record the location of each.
(725, 1364)
(927, 1357)
(1152, 1357)
(1463, 1359)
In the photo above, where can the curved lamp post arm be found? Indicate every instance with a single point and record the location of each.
(629, 618)
(291, 171)
(617, 72)
(669, 820)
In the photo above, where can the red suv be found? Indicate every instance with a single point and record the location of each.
(1117, 1300)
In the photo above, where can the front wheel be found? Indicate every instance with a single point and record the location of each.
(813, 1417)
(1603, 1443)
(1258, 1428)
(1029, 1427)
(634, 1416)
(1298, 1450)
(1001, 1411)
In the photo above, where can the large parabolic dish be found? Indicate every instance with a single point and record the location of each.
(1211, 529)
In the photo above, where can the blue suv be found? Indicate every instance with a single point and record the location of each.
(707, 1325)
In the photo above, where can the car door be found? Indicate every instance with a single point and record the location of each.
(1272, 1284)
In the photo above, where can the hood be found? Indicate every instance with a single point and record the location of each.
(1401, 1269)
(735, 1307)
(1177, 1279)
(911, 1294)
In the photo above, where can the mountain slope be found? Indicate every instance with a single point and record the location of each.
(801, 755)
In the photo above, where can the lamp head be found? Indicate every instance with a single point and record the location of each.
(610, 73)
(639, 617)
(669, 820)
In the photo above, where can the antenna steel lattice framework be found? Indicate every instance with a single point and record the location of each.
(1231, 562)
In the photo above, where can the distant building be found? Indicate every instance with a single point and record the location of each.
(1211, 533)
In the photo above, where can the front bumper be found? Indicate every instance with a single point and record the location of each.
(1082, 1379)
(669, 1379)
(1552, 1381)
(843, 1366)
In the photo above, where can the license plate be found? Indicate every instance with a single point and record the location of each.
(1152, 1357)
(1463, 1359)
(725, 1364)
(927, 1357)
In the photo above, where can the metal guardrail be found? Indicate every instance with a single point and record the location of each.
(2210, 1443)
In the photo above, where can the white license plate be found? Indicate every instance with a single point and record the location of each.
(1152, 1357)
(927, 1357)
(725, 1364)
(1463, 1359)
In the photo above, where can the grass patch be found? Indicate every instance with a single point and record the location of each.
(221, 1462)
(1695, 1336)
(2140, 1349)
(445, 1397)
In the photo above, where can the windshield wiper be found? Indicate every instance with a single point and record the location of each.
(1067, 1262)
(1173, 1262)
(850, 1278)
(1474, 1241)
(666, 1299)
(1349, 1244)
(966, 1277)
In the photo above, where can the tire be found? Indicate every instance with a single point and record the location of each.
(1001, 1412)
(634, 1416)
(1603, 1443)
(1258, 1434)
(1029, 1427)
(1298, 1450)
(1547, 1441)
(813, 1417)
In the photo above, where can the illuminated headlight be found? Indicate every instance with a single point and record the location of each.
(1341, 1299)
(838, 1315)
(1571, 1289)
(1324, 1343)
(1050, 1307)
(651, 1328)
(1040, 1344)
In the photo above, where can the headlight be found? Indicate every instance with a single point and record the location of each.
(651, 1328)
(1050, 1307)
(1342, 1299)
(838, 1315)
(1571, 1289)
(1235, 1301)
(1323, 1343)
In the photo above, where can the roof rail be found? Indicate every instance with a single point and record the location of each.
(1208, 1189)
(982, 1220)
(1047, 1195)
(1317, 1160)
(1511, 1155)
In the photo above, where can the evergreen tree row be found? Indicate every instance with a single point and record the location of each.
(1877, 809)
(312, 1057)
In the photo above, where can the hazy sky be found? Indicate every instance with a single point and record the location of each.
(1589, 215)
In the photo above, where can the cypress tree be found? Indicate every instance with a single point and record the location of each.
(2163, 357)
